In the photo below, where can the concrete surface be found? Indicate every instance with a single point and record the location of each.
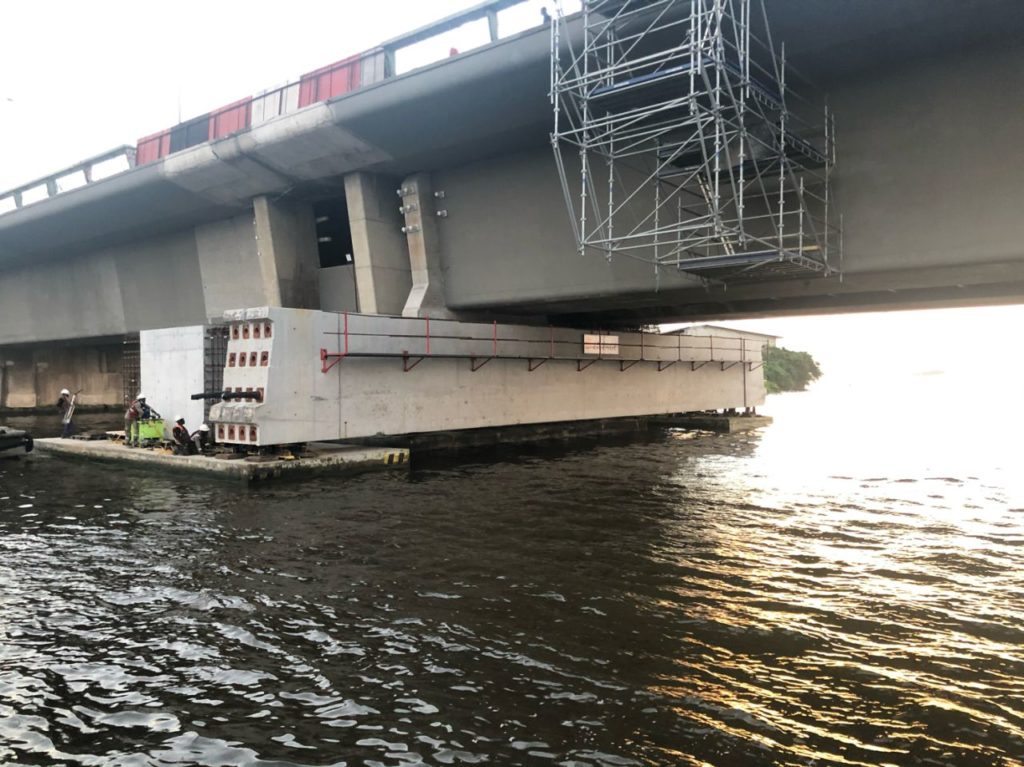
(286, 242)
(398, 380)
(171, 369)
(338, 289)
(326, 458)
(383, 276)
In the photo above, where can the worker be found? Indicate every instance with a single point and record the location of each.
(201, 439)
(183, 444)
(131, 422)
(66, 405)
(137, 411)
(545, 17)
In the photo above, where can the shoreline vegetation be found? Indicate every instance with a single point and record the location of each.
(787, 370)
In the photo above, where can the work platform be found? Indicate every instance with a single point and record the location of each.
(317, 458)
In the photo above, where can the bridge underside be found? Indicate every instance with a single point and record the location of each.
(928, 183)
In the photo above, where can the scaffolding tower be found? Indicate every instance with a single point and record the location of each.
(680, 141)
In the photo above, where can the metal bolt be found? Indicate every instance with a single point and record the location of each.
(442, 214)
(439, 194)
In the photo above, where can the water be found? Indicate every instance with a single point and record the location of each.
(846, 587)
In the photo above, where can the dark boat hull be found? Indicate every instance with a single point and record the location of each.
(14, 442)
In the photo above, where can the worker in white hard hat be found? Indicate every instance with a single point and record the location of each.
(66, 405)
(136, 411)
(201, 438)
(183, 444)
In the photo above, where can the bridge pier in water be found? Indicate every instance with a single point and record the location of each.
(32, 375)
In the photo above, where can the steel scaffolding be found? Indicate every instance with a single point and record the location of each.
(680, 141)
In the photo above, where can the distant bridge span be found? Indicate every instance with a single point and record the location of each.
(929, 183)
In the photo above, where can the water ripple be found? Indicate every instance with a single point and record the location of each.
(628, 603)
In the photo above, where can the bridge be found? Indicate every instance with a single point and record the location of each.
(436, 192)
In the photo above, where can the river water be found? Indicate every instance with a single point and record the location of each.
(845, 587)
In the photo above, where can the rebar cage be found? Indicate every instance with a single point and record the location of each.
(680, 141)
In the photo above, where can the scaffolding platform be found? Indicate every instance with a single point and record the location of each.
(677, 142)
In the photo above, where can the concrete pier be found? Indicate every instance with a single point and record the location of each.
(317, 458)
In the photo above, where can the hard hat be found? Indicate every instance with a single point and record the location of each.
(179, 418)
(141, 396)
(64, 391)
(204, 427)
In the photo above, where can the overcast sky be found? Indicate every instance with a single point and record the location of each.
(77, 78)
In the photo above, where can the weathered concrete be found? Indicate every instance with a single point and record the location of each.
(382, 271)
(32, 376)
(319, 458)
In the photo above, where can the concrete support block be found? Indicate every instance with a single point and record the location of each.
(172, 369)
(379, 250)
(418, 206)
(286, 247)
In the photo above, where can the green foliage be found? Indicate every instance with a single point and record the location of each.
(786, 370)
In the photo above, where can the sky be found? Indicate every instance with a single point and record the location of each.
(79, 78)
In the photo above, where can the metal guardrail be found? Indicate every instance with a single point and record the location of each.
(414, 340)
(85, 167)
(271, 103)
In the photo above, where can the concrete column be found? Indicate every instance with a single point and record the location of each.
(379, 250)
(286, 247)
(427, 294)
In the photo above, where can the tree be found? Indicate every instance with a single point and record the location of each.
(786, 370)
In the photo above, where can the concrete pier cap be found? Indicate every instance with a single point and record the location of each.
(305, 375)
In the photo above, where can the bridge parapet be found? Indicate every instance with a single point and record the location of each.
(87, 171)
